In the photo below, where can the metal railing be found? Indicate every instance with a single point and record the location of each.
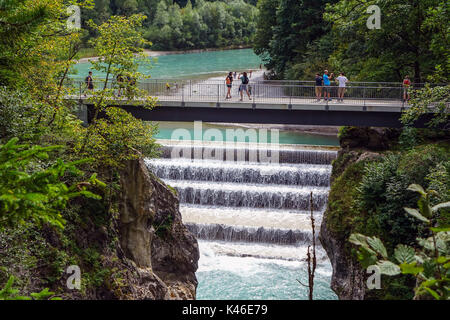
(260, 92)
(283, 82)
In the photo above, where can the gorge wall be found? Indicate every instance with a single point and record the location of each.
(369, 191)
(129, 245)
(154, 238)
(359, 146)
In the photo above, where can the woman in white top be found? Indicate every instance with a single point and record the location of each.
(342, 79)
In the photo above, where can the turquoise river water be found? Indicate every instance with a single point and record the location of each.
(191, 65)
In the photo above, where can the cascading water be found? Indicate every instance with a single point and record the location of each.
(252, 218)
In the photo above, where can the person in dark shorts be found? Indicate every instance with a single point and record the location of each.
(244, 85)
(229, 82)
(319, 87)
(89, 83)
(327, 85)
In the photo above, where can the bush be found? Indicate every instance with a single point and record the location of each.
(382, 191)
(33, 191)
(118, 138)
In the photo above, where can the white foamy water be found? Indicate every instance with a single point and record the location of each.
(241, 172)
(279, 219)
(260, 272)
(265, 168)
(286, 253)
(227, 186)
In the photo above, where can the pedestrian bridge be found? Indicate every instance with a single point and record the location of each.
(271, 102)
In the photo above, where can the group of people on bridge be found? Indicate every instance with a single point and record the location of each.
(243, 87)
(323, 87)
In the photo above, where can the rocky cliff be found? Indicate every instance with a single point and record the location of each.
(131, 244)
(154, 238)
(368, 194)
(359, 145)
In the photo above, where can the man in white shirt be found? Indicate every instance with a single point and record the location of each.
(342, 79)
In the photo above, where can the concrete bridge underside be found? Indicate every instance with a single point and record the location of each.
(377, 114)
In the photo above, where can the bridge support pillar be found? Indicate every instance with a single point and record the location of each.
(81, 111)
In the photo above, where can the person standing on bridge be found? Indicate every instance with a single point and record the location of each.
(342, 80)
(406, 85)
(229, 82)
(327, 83)
(244, 85)
(89, 83)
(319, 87)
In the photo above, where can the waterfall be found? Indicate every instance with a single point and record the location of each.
(241, 206)
(250, 153)
(244, 201)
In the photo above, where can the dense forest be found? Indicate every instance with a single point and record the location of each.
(299, 38)
(181, 24)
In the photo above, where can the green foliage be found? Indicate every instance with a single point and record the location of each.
(19, 19)
(51, 214)
(368, 197)
(285, 31)
(18, 115)
(342, 206)
(204, 25)
(296, 39)
(429, 100)
(430, 263)
(33, 191)
(9, 293)
(362, 51)
(163, 228)
(182, 24)
(382, 195)
(119, 137)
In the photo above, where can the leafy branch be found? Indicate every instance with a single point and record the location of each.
(430, 264)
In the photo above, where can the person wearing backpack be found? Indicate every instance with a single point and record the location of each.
(244, 85)
(229, 82)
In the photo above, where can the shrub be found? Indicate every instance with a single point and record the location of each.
(382, 191)
(33, 191)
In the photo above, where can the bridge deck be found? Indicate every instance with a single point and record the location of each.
(285, 103)
(273, 104)
(374, 105)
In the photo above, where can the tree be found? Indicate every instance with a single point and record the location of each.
(117, 137)
(431, 99)
(19, 19)
(402, 45)
(264, 29)
(286, 28)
